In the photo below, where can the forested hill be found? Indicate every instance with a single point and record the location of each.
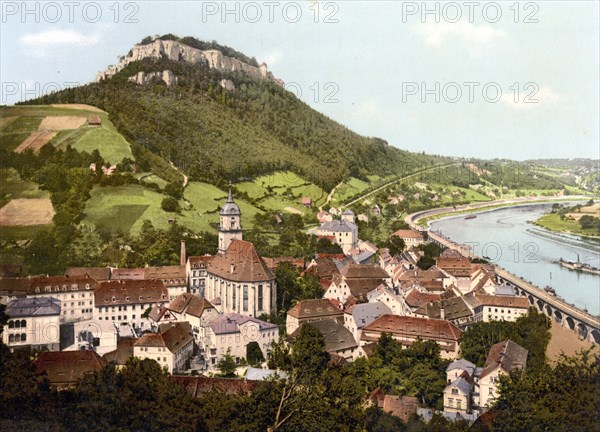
(217, 135)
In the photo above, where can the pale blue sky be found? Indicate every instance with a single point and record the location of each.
(376, 55)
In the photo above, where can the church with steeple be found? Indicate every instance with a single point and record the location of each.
(237, 278)
(230, 226)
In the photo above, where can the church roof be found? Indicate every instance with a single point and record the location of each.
(240, 263)
(230, 208)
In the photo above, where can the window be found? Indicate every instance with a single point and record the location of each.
(450, 402)
(23, 337)
(11, 324)
(260, 297)
(233, 298)
(11, 338)
(458, 404)
(454, 391)
(245, 297)
(490, 391)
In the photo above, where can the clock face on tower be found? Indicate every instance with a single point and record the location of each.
(230, 226)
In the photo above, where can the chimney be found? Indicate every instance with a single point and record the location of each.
(442, 312)
(182, 259)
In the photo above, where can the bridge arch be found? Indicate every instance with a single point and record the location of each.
(540, 305)
(549, 310)
(558, 316)
(570, 322)
(595, 336)
(531, 300)
(582, 330)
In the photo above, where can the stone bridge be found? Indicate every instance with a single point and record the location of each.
(585, 325)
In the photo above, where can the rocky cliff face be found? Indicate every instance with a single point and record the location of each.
(144, 78)
(177, 51)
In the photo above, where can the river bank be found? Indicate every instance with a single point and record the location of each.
(423, 218)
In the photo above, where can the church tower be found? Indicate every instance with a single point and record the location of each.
(230, 227)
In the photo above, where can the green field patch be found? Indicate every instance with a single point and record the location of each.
(10, 141)
(121, 218)
(112, 146)
(22, 124)
(348, 189)
(16, 233)
(205, 201)
(270, 191)
(553, 222)
(12, 186)
(69, 137)
(151, 178)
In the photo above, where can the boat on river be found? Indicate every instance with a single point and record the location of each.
(579, 266)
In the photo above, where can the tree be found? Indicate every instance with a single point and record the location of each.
(227, 365)
(254, 354)
(559, 398)
(174, 189)
(170, 204)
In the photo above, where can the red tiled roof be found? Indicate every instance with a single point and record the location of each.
(127, 273)
(190, 304)
(124, 292)
(170, 275)
(241, 263)
(503, 301)
(416, 327)
(314, 308)
(97, 273)
(200, 261)
(65, 368)
(174, 337)
(408, 234)
(416, 298)
(197, 386)
(364, 271)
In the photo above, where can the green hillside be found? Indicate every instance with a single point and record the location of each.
(216, 135)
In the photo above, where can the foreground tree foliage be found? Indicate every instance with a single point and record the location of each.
(531, 331)
(559, 398)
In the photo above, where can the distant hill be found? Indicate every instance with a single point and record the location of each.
(217, 125)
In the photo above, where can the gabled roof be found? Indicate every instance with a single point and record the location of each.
(454, 308)
(462, 385)
(406, 233)
(503, 301)
(190, 304)
(172, 336)
(127, 273)
(363, 271)
(33, 307)
(314, 308)
(359, 288)
(507, 355)
(365, 313)
(124, 292)
(170, 275)
(42, 284)
(123, 352)
(417, 299)
(65, 368)
(338, 226)
(200, 261)
(231, 323)
(97, 273)
(336, 336)
(240, 263)
(414, 327)
(461, 364)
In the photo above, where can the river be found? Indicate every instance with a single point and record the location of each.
(507, 238)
